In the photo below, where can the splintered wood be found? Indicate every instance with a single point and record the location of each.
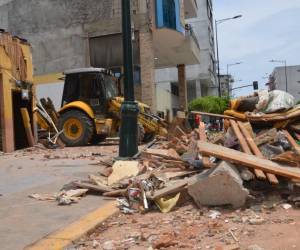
(245, 147)
(202, 137)
(271, 177)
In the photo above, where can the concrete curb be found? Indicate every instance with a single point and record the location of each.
(66, 236)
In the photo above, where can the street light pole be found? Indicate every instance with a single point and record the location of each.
(218, 59)
(129, 111)
(217, 22)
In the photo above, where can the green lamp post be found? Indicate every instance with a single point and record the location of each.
(129, 111)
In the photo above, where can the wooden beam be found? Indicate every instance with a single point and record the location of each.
(244, 159)
(259, 174)
(214, 115)
(202, 137)
(271, 177)
(27, 126)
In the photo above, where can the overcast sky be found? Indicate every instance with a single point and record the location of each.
(269, 29)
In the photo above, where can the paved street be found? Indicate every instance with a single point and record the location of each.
(25, 220)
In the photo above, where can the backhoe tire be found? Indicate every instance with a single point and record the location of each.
(141, 134)
(78, 128)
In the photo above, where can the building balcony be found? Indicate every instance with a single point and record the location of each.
(174, 42)
(190, 8)
(172, 48)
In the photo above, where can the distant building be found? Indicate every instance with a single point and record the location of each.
(293, 80)
(201, 77)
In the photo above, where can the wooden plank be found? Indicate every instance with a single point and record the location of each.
(271, 177)
(244, 159)
(214, 115)
(202, 137)
(259, 174)
(101, 189)
(292, 141)
(174, 188)
(274, 117)
(201, 131)
(115, 193)
(240, 137)
(27, 126)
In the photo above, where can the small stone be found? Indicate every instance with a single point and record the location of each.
(256, 221)
(286, 206)
(255, 247)
(109, 245)
(95, 244)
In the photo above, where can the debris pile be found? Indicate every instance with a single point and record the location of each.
(213, 170)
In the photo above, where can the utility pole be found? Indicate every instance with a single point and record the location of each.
(217, 22)
(129, 111)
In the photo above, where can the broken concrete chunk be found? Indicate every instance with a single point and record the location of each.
(221, 185)
(122, 170)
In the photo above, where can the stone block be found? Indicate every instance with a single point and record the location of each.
(221, 185)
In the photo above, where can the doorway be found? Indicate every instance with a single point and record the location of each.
(20, 138)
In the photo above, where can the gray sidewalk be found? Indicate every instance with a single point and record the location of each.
(24, 220)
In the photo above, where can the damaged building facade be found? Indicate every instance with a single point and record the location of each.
(68, 34)
(201, 77)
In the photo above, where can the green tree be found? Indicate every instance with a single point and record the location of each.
(210, 104)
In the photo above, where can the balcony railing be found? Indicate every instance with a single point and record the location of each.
(189, 32)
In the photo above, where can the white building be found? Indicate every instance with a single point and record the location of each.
(293, 80)
(201, 78)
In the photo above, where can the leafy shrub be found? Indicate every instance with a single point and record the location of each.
(298, 102)
(210, 104)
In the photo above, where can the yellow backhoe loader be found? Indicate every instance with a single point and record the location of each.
(90, 109)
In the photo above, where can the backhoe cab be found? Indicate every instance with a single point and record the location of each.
(90, 109)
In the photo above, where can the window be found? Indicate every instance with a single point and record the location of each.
(169, 13)
(174, 88)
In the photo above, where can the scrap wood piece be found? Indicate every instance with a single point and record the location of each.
(271, 177)
(98, 180)
(27, 126)
(274, 117)
(244, 145)
(295, 127)
(173, 188)
(115, 193)
(202, 137)
(169, 154)
(288, 157)
(214, 115)
(247, 160)
(292, 141)
(101, 189)
(265, 137)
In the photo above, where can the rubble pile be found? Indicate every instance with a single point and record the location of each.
(255, 149)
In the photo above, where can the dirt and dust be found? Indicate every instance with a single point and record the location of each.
(268, 225)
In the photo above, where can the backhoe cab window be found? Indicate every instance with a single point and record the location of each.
(88, 86)
(111, 87)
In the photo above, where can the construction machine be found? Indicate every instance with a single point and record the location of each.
(91, 109)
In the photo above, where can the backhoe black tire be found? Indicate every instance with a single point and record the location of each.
(141, 134)
(78, 128)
